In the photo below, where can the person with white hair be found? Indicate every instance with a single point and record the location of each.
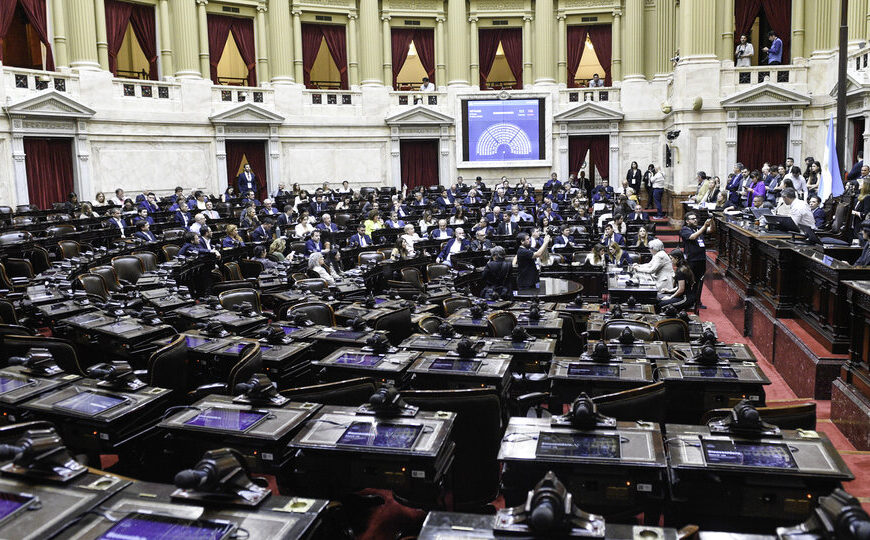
(316, 267)
(659, 267)
(198, 223)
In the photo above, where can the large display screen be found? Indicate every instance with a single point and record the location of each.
(503, 130)
(157, 527)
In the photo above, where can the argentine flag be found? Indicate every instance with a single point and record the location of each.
(832, 179)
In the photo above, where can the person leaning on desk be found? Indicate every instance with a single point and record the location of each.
(864, 259)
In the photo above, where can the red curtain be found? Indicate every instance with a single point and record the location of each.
(145, 30)
(35, 10)
(243, 34)
(576, 45)
(424, 41)
(255, 153)
(218, 31)
(757, 144)
(602, 39)
(117, 19)
(512, 45)
(311, 39)
(7, 13)
(577, 149)
(419, 162)
(487, 45)
(401, 41)
(335, 42)
(49, 167)
(857, 137)
(745, 12)
(778, 14)
(599, 154)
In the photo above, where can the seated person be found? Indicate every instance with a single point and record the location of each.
(276, 250)
(565, 239)
(481, 242)
(454, 245)
(360, 239)
(304, 227)
(313, 244)
(596, 257)
(394, 222)
(192, 246)
(232, 239)
(483, 225)
(210, 212)
(249, 219)
(326, 223)
(150, 204)
(285, 218)
(260, 257)
(143, 216)
(144, 232)
(116, 222)
(268, 209)
(263, 233)
(611, 237)
(496, 274)
(507, 227)
(317, 267)
(250, 200)
(660, 267)
(402, 250)
(374, 222)
(602, 192)
(682, 294)
(864, 259)
(443, 232)
(182, 216)
(643, 238)
(616, 255)
(818, 212)
(619, 225)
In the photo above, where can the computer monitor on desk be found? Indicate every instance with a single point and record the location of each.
(781, 223)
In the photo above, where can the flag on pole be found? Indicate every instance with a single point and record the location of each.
(831, 182)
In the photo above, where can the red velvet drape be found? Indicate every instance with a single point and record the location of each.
(145, 29)
(757, 144)
(599, 154)
(7, 13)
(401, 43)
(424, 41)
(745, 12)
(778, 13)
(577, 149)
(255, 153)
(35, 10)
(117, 19)
(219, 29)
(311, 39)
(337, 45)
(419, 162)
(49, 167)
(601, 37)
(512, 45)
(487, 45)
(576, 45)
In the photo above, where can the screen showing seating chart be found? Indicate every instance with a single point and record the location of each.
(581, 445)
(154, 527)
(89, 403)
(503, 130)
(395, 436)
(767, 455)
(226, 419)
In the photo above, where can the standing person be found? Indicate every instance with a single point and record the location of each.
(774, 52)
(247, 180)
(693, 244)
(596, 81)
(634, 177)
(658, 190)
(743, 53)
(524, 262)
(647, 184)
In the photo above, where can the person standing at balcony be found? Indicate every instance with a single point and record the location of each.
(774, 52)
(744, 52)
(427, 86)
(596, 81)
(247, 180)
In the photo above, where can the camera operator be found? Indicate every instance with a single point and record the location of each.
(527, 271)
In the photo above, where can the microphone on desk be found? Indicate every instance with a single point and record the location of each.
(202, 475)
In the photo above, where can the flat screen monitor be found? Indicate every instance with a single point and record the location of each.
(143, 526)
(581, 445)
(722, 352)
(235, 348)
(430, 341)
(193, 342)
(748, 454)
(451, 364)
(395, 436)
(618, 349)
(122, 327)
(346, 334)
(226, 419)
(357, 359)
(709, 372)
(13, 503)
(503, 130)
(593, 370)
(289, 329)
(519, 345)
(90, 403)
(8, 384)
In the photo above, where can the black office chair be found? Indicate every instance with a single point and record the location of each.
(94, 285)
(413, 276)
(430, 324)
(232, 298)
(170, 251)
(501, 324)
(314, 285)
(642, 331)
(39, 259)
(173, 234)
(350, 392)
(110, 277)
(15, 282)
(232, 271)
(572, 340)
(397, 325)
(672, 330)
(799, 416)
(477, 433)
(317, 312)
(7, 312)
(15, 330)
(69, 249)
(250, 362)
(61, 350)
(62, 229)
(149, 259)
(128, 268)
(168, 367)
(250, 268)
(454, 304)
(643, 403)
(369, 257)
(437, 270)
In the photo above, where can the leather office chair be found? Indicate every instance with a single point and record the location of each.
(250, 362)
(39, 259)
(61, 350)
(341, 220)
(414, 277)
(173, 234)
(7, 312)
(232, 271)
(315, 285)
(672, 330)
(232, 298)
(437, 270)
(14, 237)
(128, 268)
(298, 276)
(641, 330)
(298, 247)
(369, 257)
(5, 281)
(20, 272)
(501, 323)
(799, 416)
(477, 433)
(149, 259)
(168, 367)
(109, 276)
(454, 304)
(94, 285)
(170, 251)
(317, 312)
(430, 325)
(250, 268)
(69, 249)
(572, 340)
(350, 392)
(62, 229)
(643, 403)
(397, 325)
(15, 330)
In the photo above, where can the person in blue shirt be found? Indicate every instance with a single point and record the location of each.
(326, 223)
(313, 244)
(444, 200)
(454, 245)
(394, 222)
(564, 239)
(232, 239)
(144, 233)
(818, 212)
(774, 52)
(443, 232)
(552, 183)
(150, 203)
(143, 216)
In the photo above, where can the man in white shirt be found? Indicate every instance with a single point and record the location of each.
(743, 53)
(198, 223)
(427, 86)
(118, 199)
(596, 81)
(210, 212)
(798, 210)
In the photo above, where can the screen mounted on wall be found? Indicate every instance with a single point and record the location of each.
(503, 130)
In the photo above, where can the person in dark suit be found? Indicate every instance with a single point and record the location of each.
(855, 172)
(263, 233)
(496, 274)
(313, 244)
(818, 212)
(192, 246)
(564, 239)
(481, 242)
(182, 216)
(318, 206)
(637, 215)
(144, 233)
(360, 239)
(634, 177)
(444, 200)
(611, 237)
(285, 218)
(507, 227)
(143, 216)
(150, 204)
(116, 222)
(326, 224)
(454, 245)
(232, 239)
(247, 180)
(443, 232)
(864, 259)
(268, 209)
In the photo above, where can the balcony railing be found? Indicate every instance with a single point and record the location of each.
(148, 89)
(127, 74)
(21, 80)
(603, 94)
(324, 85)
(432, 99)
(743, 77)
(501, 85)
(330, 97)
(242, 94)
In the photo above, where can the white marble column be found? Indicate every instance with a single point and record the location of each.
(474, 49)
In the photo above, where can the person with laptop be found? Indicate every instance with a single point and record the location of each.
(798, 210)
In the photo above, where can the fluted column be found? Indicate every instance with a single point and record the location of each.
(634, 39)
(280, 42)
(699, 28)
(457, 63)
(666, 28)
(166, 67)
(474, 49)
(562, 65)
(857, 20)
(61, 52)
(82, 35)
(262, 45)
(616, 46)
(798, 32)
(440, 53)
(371, 59)
(387, 44)
(726, 47)
(102, 38)
(202, 18)
(352, 50)
(545, 30)
(821, 32)
(297, 46)
(527, 50)
(185, 51)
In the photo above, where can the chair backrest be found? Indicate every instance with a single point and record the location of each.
(298, 276)
(799, 416)
(454, 304)
(232, 298)
(430, 324)
(62, 229)
(149, 259)
(94, 284)
(69, 249)
(642, 331)
(7, 312)
(437, 270)
(314, 285)
(173, 234)
(40, 259)
(501, 323)
(572, 340)
(672, 330)
(128, 267)
(109, 276)
(232, 271)
(368, 257)
(250, 362)
(250, 268)
(14, 330)
(61, 350)
(298, 247)
(16, 267)
(5, 282)
(477, 433)
(841, 216)
(643, 403)
(14, 237)
(168, 367)
(350, 392)
(397, 325)
(413, 276)
(170, 251)
(317, 312)
(341, 219)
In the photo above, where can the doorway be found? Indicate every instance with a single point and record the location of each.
(247, 152)
(419, 158)
(49, 167)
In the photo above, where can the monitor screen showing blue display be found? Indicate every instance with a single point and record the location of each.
(11, 503)
(449, 364)
(290, 329)
(503, 130)
(580, 445)
(193, 342)
(767, 455)
(89, 403)
(626, 350)
(8, 384)
(593, 370)
(226, 419)
(356, 359)
(156, 527)
(712, 372)
(396, 436)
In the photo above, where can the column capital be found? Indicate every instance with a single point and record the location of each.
(528, 18)
(617, 13)
(473, 19)
(561, 16)
(440, 19)
(296, 12)
(386, 18)
(352, 16)
(202, 2)
(261, 8)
